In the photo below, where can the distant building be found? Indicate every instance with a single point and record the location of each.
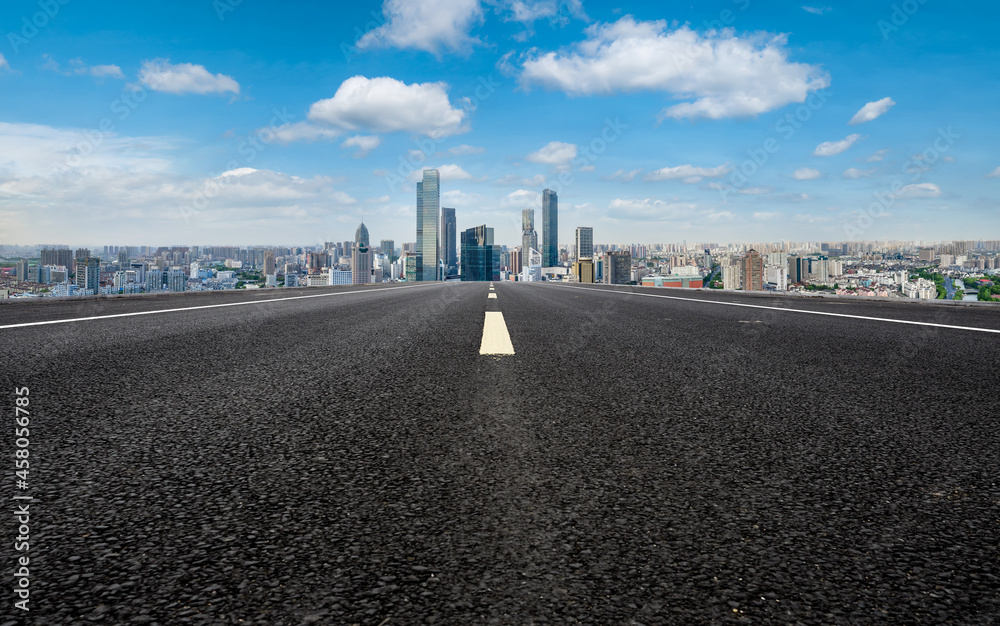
(732, 277)
(618, 268)
(361, 236)
(753, 271)
(176, 280)
(428, 217)
(448, 248)
(122, 258)
(777, 277)
(529, 237)
(583, 270)
(58, 256)
(550, 228)
(88, 274)
(480, 257)
(21, 270)
(361, 265)
(926, 254)
(269, 265)
(685, 282)
(584, 242)
(410, 268)
(388, 248)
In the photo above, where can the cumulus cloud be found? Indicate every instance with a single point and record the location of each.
(522, 198)
(364, 144)
(558, 11)
(303, 131)
(688, 173)
(450, 172)
(719, 73)
(555, 153)
(428, 26)
(994, 174)
(161, 75)
(4, 65)
(625, 176)
(806, 173)
(855, 173)
(920, 190)
(872, 110)
(833, 148)
(877, 156)
(385, 105)
(653, 210)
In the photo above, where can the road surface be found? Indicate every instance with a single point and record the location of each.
(353, 458)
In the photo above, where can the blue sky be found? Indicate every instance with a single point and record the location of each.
(257, 122)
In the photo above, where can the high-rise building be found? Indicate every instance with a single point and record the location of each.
(88, 274)
(480, 257)
(448, 250)
(22, 270)
(583, 269)
(753, 271)
(82, 253)
(176, 280)
(270, 268)
(617, 268)
(361, 265)
(529, 236)
(57, 256)
(388, 248)
(584, 243)
(731, 276)
(361, 236)
(122, 258)
(428, 217)
(550, 228)
(516, 260)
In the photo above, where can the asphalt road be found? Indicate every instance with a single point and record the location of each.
(352, 458)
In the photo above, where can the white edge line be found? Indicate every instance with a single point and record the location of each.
(775, 308)
(206, 306)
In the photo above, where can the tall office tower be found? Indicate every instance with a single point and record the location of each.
(269, 265)
(448, 251)
(22, 270)
(176, 280)
(584, 243)
(550, 228)
(753, 271)
(361, 265)
(428, 217)
(361, 236)
(88, 274)
(348, 248)
(480, 257)
(617, 268)
(82, 253)
(122, 258)
(388, 248)
(529, 237)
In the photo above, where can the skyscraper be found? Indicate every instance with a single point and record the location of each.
(22, 270)
(529, 238)
(618, 268)
(269, 263)
(388, 248)
(448, 251)
(122, 258)
(361, 265)
(550, 228)
(480, 257)
(428, 216)
(753, 271)
(361, 236)
(88, 274)
(584, 243)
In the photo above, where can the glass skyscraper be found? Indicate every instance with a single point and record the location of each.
(428, 216)
(529, 238)
(480, 257)
(584, 242)
(449, 253)
(550, 228)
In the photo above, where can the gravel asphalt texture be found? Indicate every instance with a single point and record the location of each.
(353, 459)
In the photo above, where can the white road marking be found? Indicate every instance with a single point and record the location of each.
(205, 306)
(496, 339)
(784, 310)
(492, 296)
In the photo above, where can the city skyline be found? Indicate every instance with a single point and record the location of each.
(215, 133)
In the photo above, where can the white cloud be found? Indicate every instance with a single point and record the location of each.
(872, 110)
(994, 174)
(364, 144)
(386, 105)
(555, 153)
(101, 71)
(755, 191)
(855, 173)
(429, 26)
(688, 173)
(920, 190)
(79, 68)
(652, 210)
(817, 10)
(4, 65)
(522, 198)
(624, 176)
(161, 75)
(720, 73)
(766, 215)
(450, 172)
(379, 200)
(464, 149)
(878, 156)
(833, 148)
(806, 173)
(527, 11)
(303, 131)
(457, 197)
